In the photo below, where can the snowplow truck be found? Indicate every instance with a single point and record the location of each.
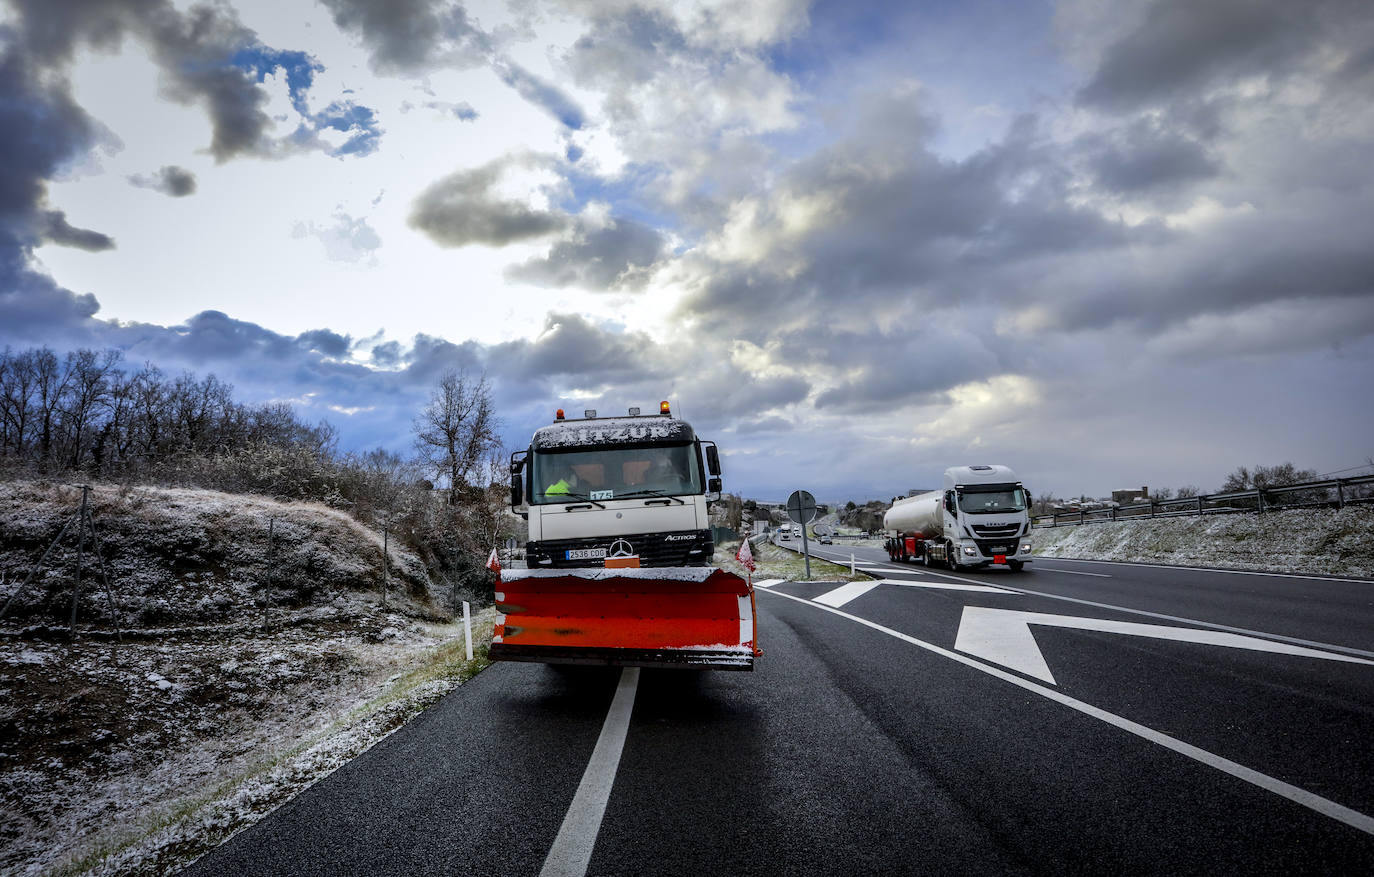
(981, 517)
(620, 550)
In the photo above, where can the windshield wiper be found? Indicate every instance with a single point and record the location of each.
(578, 496)
(649, 491)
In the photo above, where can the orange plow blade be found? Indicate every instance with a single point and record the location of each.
(669, 616)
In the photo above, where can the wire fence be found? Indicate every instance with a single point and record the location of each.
(1333, 493)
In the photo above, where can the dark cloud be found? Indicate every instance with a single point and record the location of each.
(326, 342)
(387, 354)
(570, 345)
(1182, 46)
(625, 49)
(618, 255)
(461, 209)
(169, 180)
(412, 36)
(911, 367)
(751, 426)
(58, 230)
(893, 223)
(544, 95)
(207, 57)
(1144, 158)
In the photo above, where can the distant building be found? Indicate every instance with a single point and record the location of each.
(1131, 496)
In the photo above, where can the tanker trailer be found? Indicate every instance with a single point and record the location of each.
(981, 517)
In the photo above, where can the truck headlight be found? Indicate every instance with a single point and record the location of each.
(970, 550)
(1025, 548)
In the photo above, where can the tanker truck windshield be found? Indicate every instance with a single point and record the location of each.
(995, 500)
(615, 473)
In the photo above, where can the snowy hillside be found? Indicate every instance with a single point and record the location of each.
(248, 667)
(1299, 540)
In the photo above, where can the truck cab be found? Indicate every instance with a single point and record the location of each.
(617, 491)
(987, 516)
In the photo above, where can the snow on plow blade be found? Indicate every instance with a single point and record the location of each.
(692, 617)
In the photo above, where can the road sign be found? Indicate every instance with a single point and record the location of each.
(801, 507)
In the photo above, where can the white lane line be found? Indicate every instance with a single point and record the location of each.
(946, 586)
(1232, 572)
(1324, 806)
(1075, 572)
(768, 583)
(572, 849)
(844, 593)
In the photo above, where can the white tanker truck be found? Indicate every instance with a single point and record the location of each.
(982, 516)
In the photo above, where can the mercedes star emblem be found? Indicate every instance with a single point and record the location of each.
(622, 548)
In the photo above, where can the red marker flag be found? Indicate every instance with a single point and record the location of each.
(745, 556)
(494, 562)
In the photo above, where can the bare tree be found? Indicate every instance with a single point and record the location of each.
(457, 430)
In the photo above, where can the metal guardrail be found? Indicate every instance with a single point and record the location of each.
(1328, 493)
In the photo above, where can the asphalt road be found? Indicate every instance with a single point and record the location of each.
(1157, 721)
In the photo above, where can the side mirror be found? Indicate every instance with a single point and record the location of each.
(713, 485)
(517, 492)
(712, 461)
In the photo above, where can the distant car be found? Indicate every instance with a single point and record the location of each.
(826, 540)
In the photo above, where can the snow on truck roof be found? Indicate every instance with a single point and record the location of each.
(611, 431)
(956, 476)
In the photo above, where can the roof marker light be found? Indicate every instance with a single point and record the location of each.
(663, 408)
(558, 415)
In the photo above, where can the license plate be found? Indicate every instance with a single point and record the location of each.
(585, 553)
(1000, 549)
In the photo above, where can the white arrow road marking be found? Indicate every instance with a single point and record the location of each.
(1004, 637)
(946, 586)
(846, 592)
(572, 849)
(1314, 802)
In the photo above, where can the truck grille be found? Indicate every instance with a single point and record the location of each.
(654, 549)
(997, 531)
(989, 547)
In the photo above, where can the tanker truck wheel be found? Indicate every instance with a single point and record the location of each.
(1016, 565)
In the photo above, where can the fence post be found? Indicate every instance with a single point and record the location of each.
(1259, 498)
(1152, 508)
(1113, 513)
(1081, 516)
(1199, 505)
(386, 563)
(80, 554)
(1340, 494)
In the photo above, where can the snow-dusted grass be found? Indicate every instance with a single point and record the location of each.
(774, 562)
(247, 670)
(1329, 541)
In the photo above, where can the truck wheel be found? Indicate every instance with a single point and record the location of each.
(925, 558)
(1016, 565)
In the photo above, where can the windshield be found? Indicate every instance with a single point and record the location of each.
(997, 500)
(615, 473)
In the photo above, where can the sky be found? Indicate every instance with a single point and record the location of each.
(1108, 244)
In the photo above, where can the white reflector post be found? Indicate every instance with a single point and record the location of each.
(467, 628)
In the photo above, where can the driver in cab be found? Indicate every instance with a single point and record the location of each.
(567, 483)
